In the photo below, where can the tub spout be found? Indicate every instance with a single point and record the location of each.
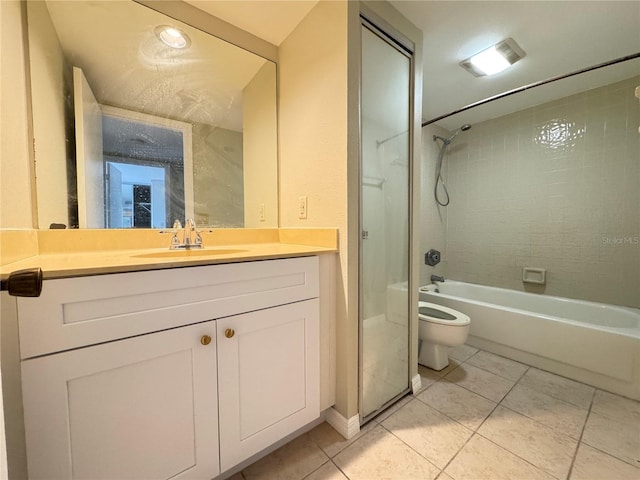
(436, 278)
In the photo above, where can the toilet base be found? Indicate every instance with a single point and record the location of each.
(433, 356)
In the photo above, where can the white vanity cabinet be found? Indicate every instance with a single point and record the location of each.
(140, 408)
(179, 373)
(267, 377)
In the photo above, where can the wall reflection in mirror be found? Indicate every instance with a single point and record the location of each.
(135, 125)
(545, 179)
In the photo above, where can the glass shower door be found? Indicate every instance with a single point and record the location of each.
(384, 220)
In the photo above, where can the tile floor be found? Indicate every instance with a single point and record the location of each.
(483, 417)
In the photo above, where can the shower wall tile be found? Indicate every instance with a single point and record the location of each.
(556, 186)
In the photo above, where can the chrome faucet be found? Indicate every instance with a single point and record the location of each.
(436, 278)
(191, 238)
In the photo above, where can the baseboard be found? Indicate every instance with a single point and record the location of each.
(348, 428)
(416, 383)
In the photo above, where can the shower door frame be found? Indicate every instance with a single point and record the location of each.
(395, 39)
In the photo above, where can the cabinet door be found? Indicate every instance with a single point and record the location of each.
(268, 377)
(140, 408)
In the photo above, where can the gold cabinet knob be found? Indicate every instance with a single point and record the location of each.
(229, 332)
(205, 340)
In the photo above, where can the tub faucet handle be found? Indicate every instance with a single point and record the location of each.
(432, 257)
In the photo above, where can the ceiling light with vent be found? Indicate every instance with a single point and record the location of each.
(494, 59)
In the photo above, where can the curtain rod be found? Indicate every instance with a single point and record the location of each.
(533, 85)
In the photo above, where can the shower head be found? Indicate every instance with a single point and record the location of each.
(447, 141)
(463, 128)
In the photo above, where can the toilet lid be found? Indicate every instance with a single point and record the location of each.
(431, 312)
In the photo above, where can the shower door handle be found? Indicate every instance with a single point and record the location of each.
(365, 234)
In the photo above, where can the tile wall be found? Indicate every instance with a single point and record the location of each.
(556, 186)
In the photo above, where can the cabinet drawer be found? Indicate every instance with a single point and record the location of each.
(76, 312)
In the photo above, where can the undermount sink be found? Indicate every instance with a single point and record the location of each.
(206, 252)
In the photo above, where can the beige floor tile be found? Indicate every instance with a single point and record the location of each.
(237, 476)
(464, 406)
(621, 440)
(592, 464)
(331, 442)
(559, 387)
(616, 407)
(444, 476)
(462, 352)
(293, 461)
(380, 455)
(453, 363)
(530, 440)
(430, 433)
(484, 383)
(328, 471)
(427, 376)
(563, 417)
(499, 365)
(481, 459)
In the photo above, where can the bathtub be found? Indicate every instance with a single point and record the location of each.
(594, 343)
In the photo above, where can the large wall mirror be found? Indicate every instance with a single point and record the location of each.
(140, 119)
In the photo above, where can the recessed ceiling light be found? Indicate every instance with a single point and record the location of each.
(172, 36)
(494, 59)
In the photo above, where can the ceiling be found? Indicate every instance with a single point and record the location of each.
(558, 37)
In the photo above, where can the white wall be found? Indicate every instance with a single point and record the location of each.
(319, 70)
(556, 186)
(15, 165)
(313, 128)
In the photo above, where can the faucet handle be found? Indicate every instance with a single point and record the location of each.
(175, 241)
(198, 239)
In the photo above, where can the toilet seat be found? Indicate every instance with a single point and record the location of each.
(459, 319)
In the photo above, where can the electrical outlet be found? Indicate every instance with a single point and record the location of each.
(302, 207)
(261, 212)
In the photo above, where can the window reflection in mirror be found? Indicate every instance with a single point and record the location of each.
(145, 152)
(120, 119)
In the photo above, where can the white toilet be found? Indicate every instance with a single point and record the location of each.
(439, 328)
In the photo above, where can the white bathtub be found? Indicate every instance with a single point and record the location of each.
(590, 342)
